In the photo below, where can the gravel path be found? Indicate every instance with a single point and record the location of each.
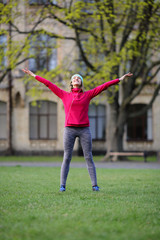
(109, 165)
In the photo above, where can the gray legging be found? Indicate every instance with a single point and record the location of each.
(70, 134)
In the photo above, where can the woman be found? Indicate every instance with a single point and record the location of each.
(76, 105)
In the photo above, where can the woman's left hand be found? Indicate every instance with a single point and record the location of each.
(126, 75)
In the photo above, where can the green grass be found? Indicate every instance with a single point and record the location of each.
(60, 158)
(126, 208)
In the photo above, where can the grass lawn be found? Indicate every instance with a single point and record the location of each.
(126, 208)
(60, 158)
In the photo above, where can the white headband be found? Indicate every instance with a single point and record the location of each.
(77, 76)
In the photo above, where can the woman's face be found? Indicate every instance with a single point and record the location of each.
(76, 82)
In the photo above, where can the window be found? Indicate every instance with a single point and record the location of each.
(97, 117)
(149, 124)
(139, 128)
(3, 1)
(41, 2)
(44, 53)
(3, 120)
(3, 49)
(43, 120)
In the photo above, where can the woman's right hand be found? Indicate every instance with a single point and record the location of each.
(28, 72)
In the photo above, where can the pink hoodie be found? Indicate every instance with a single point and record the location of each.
(76, 102)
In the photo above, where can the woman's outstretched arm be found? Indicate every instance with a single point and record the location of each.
(97, 90)
(56, 90)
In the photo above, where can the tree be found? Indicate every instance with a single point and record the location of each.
(113, 37)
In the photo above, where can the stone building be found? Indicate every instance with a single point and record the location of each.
(38, 129)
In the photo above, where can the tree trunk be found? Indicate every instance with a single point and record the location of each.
(10, 150)
(112, 141)
(112, 115)
(115, 130)
(9, 111)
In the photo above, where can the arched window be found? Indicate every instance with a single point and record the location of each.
(139, 128)
(18, 99)
(43, 120)
(3, 120)
(97, 118)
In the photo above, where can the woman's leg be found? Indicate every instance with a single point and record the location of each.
(68, 141)
(86, 143)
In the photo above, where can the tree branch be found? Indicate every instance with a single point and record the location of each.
(70, 5)
(102, 29)
(143, 110)
(137, 90)
(148, 70)
(109, 7)
(130, 22)
(32, 30)
(84, 57)
(9, 68)
(101, 22)
(52, 35)
(153, 75)
(55, 5)
(73, 25)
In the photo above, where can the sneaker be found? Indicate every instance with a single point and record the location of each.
(95, 188)
(62, 188)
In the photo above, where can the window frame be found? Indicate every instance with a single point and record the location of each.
(39, 115)
(97, 117)
(4, 114)
(144, 123)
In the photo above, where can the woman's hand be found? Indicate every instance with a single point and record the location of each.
(126, 75)
(28, 72)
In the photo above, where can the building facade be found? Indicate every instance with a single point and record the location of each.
(37, 123)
